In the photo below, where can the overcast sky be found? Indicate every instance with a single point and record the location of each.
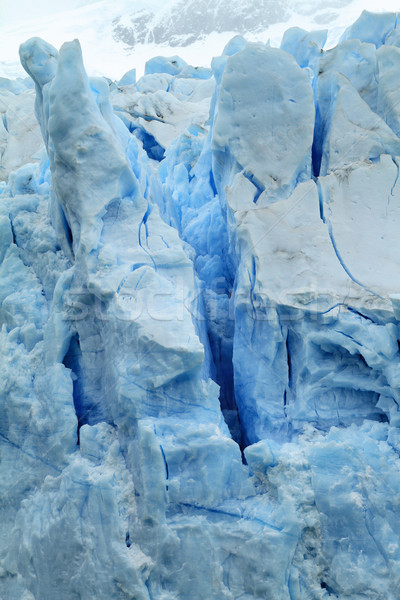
(12, 11)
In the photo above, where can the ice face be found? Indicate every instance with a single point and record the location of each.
(244, 125)
(200, 307)
(371, 27)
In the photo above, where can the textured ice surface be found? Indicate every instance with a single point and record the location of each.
(200, 306)
(20, 139)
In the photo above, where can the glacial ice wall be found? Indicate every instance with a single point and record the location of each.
(200, 307)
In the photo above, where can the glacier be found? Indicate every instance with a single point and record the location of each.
(200, 324)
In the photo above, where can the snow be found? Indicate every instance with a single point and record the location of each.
(200, 308)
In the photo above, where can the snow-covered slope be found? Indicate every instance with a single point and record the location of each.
(183, 23)
(200, 325)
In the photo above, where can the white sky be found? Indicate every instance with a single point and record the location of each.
(13, 11)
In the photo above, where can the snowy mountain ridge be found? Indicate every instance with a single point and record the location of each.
(184, 23)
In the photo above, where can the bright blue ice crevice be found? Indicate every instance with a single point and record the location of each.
(242, 126)
(235, 108)
(192, 207)
(191, 204)
(149, 143)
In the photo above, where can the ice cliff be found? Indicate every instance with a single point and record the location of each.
(200, 324)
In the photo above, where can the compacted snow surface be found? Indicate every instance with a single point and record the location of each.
(200, 324)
